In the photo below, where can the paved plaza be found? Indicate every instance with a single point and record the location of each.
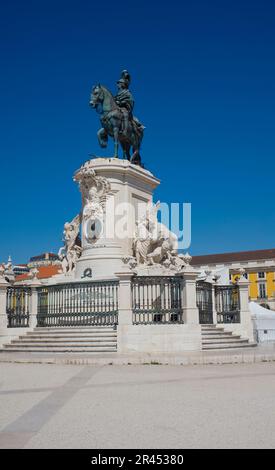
(137, 406)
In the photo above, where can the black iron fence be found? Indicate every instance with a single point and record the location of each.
(18, 306)
(204, 302)
(227, 300)
(227, 303)
(156, 299)
(78, 304)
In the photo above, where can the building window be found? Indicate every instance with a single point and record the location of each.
(262, 290)
(261, 275)
(246, 275)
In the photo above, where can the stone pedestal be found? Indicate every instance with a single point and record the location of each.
(190, 309)
(115, 194)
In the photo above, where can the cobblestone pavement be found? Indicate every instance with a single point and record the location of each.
(137, 406)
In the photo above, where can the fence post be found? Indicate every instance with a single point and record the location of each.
(213, 283)
(34, 303)
(124, 298)
(189, 298)
(245, 315)
(214, 309)
(125, 321)
(212, 279)
(3, 303)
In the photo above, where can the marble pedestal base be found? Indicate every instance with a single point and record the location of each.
(102, 261)
(114, 192)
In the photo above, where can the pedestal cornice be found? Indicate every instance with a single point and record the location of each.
(112, 167)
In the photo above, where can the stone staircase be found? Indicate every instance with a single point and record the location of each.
(215, 337)
(103, 339)
(90, 339)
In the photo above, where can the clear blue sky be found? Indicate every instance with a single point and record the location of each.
(203, 77)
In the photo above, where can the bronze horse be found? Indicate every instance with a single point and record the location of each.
(111, 118)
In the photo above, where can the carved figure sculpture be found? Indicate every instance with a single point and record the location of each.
(95, 191)
(154, 243)
(70, 252)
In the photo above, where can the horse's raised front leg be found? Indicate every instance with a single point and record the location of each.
(116, 141)
(102, 137)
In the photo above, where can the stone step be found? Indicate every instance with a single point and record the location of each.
(59, 350)
(214, 328)
(216, 332)
(233, 339)
(208, 326)
(68, 336)
(229, 346)
(84, 342)
(82, 339)
(60, 345)
(220, 336)
(72, 329)
(215, 337)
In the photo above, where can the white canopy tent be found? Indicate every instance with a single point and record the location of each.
(263, 321)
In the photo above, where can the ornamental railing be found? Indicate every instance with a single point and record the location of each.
(78, 304)
(18, 306)
(204, 302)
(156, 300)
(227, 300)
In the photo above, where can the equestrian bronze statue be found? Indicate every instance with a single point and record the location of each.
(116, 117)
